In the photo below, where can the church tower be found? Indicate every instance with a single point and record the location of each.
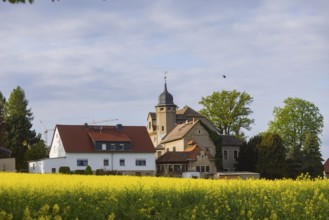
(165, 113)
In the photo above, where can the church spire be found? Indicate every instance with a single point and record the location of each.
(165, 97)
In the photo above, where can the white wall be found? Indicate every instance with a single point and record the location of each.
(95, 161)
(46, 165)
(57, 148)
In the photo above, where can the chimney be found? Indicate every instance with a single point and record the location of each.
(119, 127)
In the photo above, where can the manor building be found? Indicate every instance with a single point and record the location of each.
(172, 129)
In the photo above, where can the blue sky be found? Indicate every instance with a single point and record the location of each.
(92, 60)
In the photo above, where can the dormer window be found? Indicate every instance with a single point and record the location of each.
(112, 146)
(103, 146)
(122, 146)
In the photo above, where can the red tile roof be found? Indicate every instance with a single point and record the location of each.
(79, 138)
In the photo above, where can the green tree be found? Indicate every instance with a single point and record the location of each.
(248, 154)
(294, 121)
(17, 126)
(2, 105)
(228, 111)
(312, 158)
(271, 156)
(37, 150)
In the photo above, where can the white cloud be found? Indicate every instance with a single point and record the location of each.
(108, 58)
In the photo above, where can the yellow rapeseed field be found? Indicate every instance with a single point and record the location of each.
(51, 196)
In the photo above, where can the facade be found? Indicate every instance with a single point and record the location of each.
(230, 151)
(171, 130)
(125, 149)
(193, 158)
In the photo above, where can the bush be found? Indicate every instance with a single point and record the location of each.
(100, 172)
(64, 170)
(80, 172)
(88, 170)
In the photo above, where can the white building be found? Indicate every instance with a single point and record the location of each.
(126, 149)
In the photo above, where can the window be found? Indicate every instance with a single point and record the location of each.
(209, 150)
(53, 170)
(105, 162)
(226, 169)
(122, 146)
(197, 168)
(103, 146)
(202, 169)
(149, 125)
(162, 128)
(122, 162)
(176, 168)
(174, 149)
(112, 146)
(82, 162)
(140, 162)
(167, 149)
(199, 132)
(236, 155)
(159, 154)
(225, 155)
(207, 169)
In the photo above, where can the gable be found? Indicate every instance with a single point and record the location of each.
(57, 148)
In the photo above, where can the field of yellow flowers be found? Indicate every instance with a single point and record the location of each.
(33, 196)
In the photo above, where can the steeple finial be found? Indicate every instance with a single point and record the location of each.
(165, 78)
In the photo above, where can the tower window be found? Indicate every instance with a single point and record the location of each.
(162, 128)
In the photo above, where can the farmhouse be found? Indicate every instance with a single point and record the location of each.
(125, 149)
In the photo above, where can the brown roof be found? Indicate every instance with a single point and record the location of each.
(188, 112)
(114, 136)
(179, 131)
(79, 138)
(229, 140)
(189, 154)
(326, 166)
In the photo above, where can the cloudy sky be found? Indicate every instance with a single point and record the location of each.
(94, 60)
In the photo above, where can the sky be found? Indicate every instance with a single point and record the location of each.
(90, 61)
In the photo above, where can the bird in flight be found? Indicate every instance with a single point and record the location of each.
(224, 76)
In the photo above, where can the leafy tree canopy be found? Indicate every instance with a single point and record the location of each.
(294, 121)
(271, 156)
(229, 111)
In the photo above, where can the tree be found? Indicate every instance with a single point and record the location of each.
(2, 105)
(271, 156)
(294, 121)
(37, 150)
(312, 161)
(248, 154)
(17, 126)
(228, 111)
